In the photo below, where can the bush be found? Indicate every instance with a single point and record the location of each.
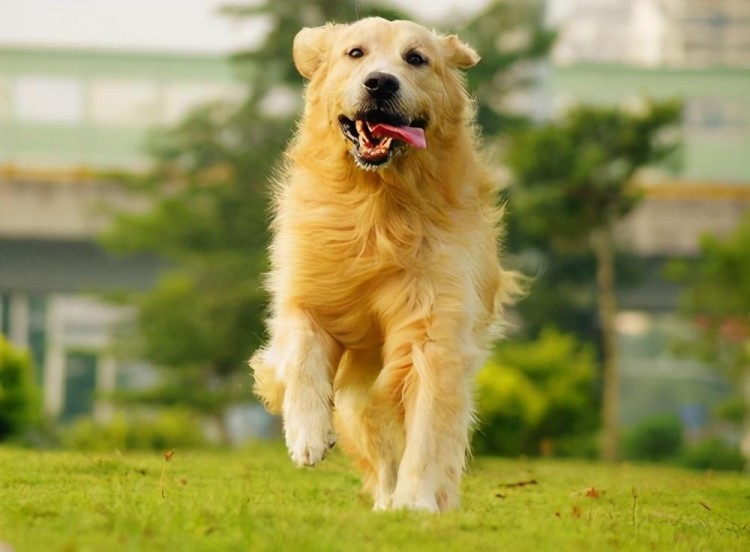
(713, 454)
(537, 397)
(19, 394)
(509, 407)
(168, 429)
(657, 438)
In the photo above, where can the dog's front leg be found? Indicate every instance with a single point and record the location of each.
(310, 366)
(302, 358)
(437, 407)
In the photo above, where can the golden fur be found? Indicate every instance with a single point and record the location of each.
(385, 283)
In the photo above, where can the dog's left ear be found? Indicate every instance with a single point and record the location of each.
(310, 46)
(459, 54)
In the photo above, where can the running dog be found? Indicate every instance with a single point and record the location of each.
(385, 283)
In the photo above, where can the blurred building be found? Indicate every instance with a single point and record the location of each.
(67, 117)
(653, 33)
(616, 52)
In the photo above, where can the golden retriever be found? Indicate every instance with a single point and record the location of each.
(385, 283)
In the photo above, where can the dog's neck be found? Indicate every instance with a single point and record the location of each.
(430, 180)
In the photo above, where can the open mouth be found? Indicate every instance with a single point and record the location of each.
(378, 136)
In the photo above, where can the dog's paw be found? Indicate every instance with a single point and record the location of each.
(424, 503)
(308, 439)
(382, 504)
(414, 494)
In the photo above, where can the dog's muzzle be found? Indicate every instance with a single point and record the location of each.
(379, 130)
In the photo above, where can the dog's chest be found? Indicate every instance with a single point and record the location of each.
(347, 261)
(345, 265)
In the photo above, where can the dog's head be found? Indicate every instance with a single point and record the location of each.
(387, 85)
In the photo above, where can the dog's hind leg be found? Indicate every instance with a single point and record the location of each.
(269, 385)
(294, 375)
(369, 429)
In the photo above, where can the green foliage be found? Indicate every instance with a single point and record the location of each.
(254, 499)
(733, 409)
(713, 454)
(574, 174)
(660, 439)
(717, 298)
(719, 283)
(509, 408)
(19, 394)
(188, 389)
(173, 428)
(562, 289)
(186, 330)
(535, 395)
(657, 438)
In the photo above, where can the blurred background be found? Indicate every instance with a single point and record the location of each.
(137, 140)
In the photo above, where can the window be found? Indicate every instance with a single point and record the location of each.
(180, 99)
(5, 314)
(4, 100)
(128, 103)
(38, 333)
(706, 113)
(42, 99)
(80, 384)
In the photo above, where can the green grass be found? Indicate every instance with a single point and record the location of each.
(255, 500)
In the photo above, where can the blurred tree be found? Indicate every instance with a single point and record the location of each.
(717, 299)
(19, 394)
(534, 397)
(573, 183)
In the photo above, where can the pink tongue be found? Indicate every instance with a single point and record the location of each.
(410, 135)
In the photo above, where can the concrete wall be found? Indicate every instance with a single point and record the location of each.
(58, 206)
(664, 226)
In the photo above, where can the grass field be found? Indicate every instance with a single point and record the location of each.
(255, 500)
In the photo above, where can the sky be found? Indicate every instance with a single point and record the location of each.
(189, 26)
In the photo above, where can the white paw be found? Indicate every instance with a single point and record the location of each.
(382, 504)
(308, 437)
(425, 502)
(384, 488)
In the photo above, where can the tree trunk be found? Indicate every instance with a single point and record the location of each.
(225, 436)
(602, 242)
(745, 439)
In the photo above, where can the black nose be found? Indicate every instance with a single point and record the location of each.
(381, 85)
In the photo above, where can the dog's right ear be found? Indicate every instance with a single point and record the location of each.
(310, 46)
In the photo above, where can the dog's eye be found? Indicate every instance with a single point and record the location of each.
(356, 53)
(415, 59)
